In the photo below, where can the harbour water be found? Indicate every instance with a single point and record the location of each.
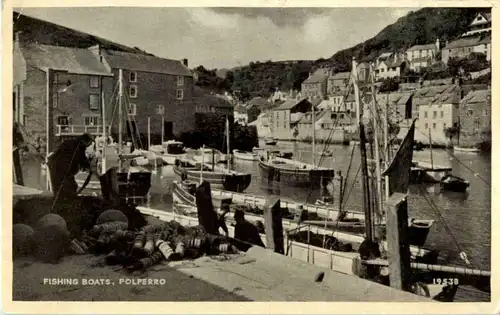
(466, 217)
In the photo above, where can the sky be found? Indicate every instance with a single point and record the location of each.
(228, 37)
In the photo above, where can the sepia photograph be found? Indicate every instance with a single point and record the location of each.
(238, 154)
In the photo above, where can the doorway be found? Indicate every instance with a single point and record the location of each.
(168, 130)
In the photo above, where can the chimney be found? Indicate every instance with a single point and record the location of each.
(185, 62)
(438, 47)
(96, 51)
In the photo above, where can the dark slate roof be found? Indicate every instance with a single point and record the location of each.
(290, 103)
(316, 77)
(474, 97)
(435, 95)
(73, 60)
(393, 98)
(144, 63)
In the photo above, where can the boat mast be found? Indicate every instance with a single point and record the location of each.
(227, 143)
(202, 163)
(386, 147)
(103, 155)
(120, 114)
(377, 153)
(364, 170)
(314, 136)
(430, 146)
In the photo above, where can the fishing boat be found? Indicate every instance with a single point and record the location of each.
(292, 172)
(272, 152)
(466, 150)
(321, 216)
(169, 151)
(454, 183)
(218, 176)
(245, 156)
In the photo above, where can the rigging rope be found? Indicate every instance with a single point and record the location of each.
(433, 205)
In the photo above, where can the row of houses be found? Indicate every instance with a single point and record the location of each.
(437, 108)
(323, 82)
(74, 83)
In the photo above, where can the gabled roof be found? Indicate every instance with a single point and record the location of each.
(384, 55)
(435, 95)
(290, 103)
(393, 98)
(73, 60)
(474, 97)
(341, 76)
(145, 63)
(316, 77)
(422, 47)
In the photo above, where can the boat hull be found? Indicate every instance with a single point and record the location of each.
(295, 176)
(228, 181)
(245, 156)
(418, 230)
(466, 150)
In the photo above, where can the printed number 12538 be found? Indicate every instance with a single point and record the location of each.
(445, 281)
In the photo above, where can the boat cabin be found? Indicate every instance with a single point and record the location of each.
(174, 147)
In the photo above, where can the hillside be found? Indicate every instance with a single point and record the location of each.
(420, 27)
(52, 34)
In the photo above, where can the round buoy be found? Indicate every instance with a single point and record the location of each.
(51, 238)
(111, 216)
(22, 240)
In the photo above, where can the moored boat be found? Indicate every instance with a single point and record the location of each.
(322, 217)
(295, 173)
(245, 156)
(169, 151)
(454, 183)
(218, 177)
(209, 156)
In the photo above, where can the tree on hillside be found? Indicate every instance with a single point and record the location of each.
(452, 132)
(389, 85)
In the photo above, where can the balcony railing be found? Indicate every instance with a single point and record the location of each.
(72, 130)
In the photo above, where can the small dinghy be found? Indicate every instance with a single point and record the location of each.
(454, 183)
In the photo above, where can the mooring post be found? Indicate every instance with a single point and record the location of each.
(207, 217)
(274, 225)
(398, 247)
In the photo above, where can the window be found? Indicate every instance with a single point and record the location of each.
(133, 91)
(485, 112)
(63, 120)
(477, 125)
(94, 101)
(132, 109)
(180, 80)
(426, 126)
(180, 94)
(444, 125)
(160, 110)
(442, 114)
(434, 114)
(94, 81)
(132, 77)
(92, 121)
(425, 114)
(433, 125)
(470, 112)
